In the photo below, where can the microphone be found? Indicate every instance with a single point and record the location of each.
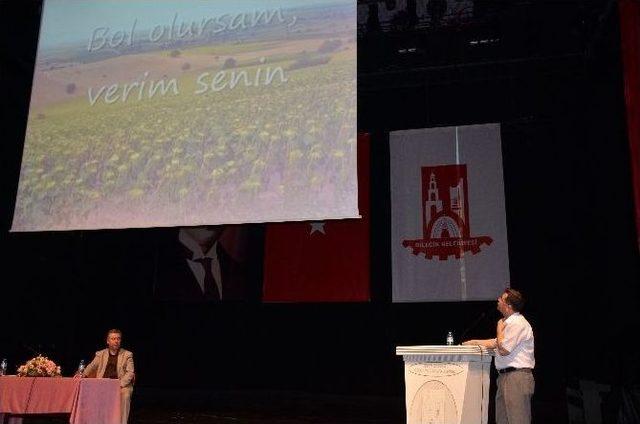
(488, 313)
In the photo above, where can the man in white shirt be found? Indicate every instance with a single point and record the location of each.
(204, 262)
(514, 360)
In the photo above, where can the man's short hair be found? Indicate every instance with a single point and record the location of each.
(515, 299)
(114, 331)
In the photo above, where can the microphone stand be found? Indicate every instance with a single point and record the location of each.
(476, 322)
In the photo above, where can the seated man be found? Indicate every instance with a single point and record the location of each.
(114, 362)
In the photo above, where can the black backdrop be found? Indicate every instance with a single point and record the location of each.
(555, 85)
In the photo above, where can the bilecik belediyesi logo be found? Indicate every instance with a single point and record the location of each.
(446, 228)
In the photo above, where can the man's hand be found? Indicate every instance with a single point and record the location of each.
(78, 375)
(500, 338)
(471, 343)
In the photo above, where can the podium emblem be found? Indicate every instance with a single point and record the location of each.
(433, 404)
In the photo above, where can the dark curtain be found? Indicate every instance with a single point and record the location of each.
(630, 42)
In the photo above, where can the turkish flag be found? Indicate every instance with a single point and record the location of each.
(325, 261)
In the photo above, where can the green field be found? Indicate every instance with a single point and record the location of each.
(220, 146)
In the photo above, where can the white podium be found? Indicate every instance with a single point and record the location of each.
(446, 384)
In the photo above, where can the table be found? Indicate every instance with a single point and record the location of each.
(87, 400)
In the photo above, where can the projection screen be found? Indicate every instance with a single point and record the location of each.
(190, 112)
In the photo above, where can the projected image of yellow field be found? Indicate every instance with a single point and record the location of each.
(256, 124)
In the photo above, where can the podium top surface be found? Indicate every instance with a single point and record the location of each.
(444, 350)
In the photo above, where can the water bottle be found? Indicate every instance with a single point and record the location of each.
(3, 367)
(81, 367)
(450, 338)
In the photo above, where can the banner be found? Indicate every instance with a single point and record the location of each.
(325, 261)
(449, 233)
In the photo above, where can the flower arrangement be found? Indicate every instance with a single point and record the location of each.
(40, 366)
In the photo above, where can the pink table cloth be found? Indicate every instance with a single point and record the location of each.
(88, 400)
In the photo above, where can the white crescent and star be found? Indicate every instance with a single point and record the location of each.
(317, 226)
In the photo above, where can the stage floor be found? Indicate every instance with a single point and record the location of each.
(152, 406)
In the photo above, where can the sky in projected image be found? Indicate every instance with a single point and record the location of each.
(171, 113)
